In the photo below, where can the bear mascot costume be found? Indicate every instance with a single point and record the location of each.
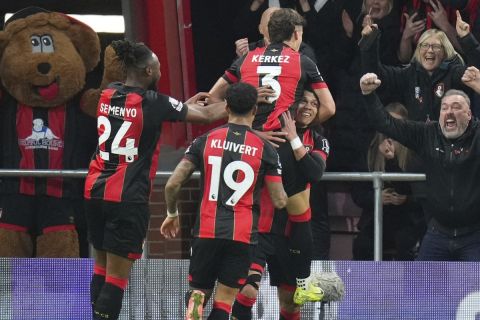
(46, 123)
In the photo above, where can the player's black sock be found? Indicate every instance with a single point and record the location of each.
(242, 307)
(98, 279)
(220, 311)
(285, 315)
(301, 244)
(109, 302)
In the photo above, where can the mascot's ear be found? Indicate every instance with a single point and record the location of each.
(84, 39)
(4, 38)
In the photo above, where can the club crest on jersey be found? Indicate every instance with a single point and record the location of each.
(236, 133)
(42, 137)
(177, 105)
(439, 89)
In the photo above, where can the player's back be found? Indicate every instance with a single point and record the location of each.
(233, 162)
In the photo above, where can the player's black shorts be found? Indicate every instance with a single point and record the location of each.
(36, 214)
(272, 249)
(117, 227)
(212, 259)
(293, 179)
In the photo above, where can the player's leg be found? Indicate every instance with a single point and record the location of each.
(288, 309)
(232, 274)
(124, 230)
(202, 274)
(299, 215)
(246, 298)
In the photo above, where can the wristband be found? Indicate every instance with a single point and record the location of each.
(296, 143)
(172, 215)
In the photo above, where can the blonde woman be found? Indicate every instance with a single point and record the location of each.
(434, 69)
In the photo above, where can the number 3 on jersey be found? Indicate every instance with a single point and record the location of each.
(129, 151)
(239, 188)
(268, 73)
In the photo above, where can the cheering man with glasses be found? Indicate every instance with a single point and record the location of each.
(434, 69)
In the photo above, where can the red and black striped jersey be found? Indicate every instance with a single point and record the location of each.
(296, 177)
(61, 137)
(234, 163)
(284, 70)
(129, 123)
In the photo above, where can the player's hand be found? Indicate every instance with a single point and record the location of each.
(264, 93)
(369, 82)
(463, 28)
(273, 137)
(471, 78)
(241, 46)
(289, 126)
(200, 98)
(170, 227)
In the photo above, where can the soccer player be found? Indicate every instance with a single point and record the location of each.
(273, 243)
(117, 188)
(234, 163)
(287, 73)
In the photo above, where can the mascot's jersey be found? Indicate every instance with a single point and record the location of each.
(129, 123)
(45, 138)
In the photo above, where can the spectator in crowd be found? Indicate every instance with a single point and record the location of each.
(308, 166)
(435, 68)
(287, 72)
(403, 220)
(421, 15)
(350, 130)
(229, 210)
(120, 174)
(242, 46)
(450, 147)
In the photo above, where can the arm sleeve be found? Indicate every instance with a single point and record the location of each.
(194, 151)
(273, 168)
(314, 78)
(409, 133)
(170, 108)
(232, 74)
(471, 48)
(313, 163)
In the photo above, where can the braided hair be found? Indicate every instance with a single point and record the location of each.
(133, 54)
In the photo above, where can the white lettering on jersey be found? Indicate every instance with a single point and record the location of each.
(235, 147)
(117, 111)
(270, 59)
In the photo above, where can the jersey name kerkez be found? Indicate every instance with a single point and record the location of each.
(270, 59)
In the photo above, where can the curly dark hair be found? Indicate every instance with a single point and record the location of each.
(133, 54)
(241, 98)
(282, 24)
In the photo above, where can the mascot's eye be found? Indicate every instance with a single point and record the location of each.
(36, 46)
(47, 44)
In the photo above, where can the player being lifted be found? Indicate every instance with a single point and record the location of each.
(281, 74)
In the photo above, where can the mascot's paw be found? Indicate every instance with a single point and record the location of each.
(15, 244)
(58, 244)
(113, 71)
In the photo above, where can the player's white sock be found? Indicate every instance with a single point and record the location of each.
(302, 283)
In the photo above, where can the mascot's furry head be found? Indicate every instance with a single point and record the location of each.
(44, 56)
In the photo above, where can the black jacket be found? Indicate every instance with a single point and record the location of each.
(453, 165)
(414, 87)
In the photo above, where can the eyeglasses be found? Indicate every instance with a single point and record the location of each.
(435, 47)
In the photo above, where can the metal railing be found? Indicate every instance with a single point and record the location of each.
(376, 177)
